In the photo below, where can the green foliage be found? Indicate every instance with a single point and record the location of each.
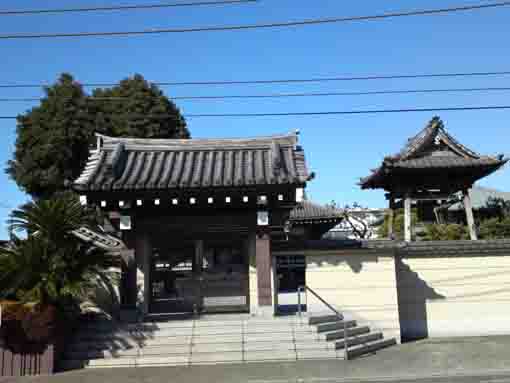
(497, 207)
(53, 138)
(134, 109)
(495, 228)
(398, 224)
(445, 232)
(51, 264)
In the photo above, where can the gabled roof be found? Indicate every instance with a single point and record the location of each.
(433, 148)
(480, 196)
(309, 212)
(151, 164)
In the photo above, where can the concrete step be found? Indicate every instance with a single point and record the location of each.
(354, 341)
(350, 332)
(338, 325)
(314, 320)
(370, 347)
(318, 354)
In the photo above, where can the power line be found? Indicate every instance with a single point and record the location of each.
(122, 7)
(323, 113)
(285, 24)
(282, 81)
(285, 95)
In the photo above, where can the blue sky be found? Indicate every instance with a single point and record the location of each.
(340, 149)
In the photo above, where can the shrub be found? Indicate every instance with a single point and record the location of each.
(28, 327)
(445, 232)
(495, 228)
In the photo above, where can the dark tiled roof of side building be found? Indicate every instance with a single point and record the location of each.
(432, 148)
(309, 212)
(151, 164)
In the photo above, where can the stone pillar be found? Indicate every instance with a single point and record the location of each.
(469, 215)
(407, 219)
(263, 263)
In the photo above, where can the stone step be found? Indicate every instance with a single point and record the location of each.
(172, 350)
(339, 325)
(145, 333)
(354, 341)
(370, 347)
(314, 320)
(318, 354)
(350, 332)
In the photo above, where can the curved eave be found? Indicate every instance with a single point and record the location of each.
(378, 180)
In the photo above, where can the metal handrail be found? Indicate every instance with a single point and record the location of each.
(335, 311)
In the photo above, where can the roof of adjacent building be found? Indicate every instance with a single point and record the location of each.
(151, 164)
(480, 196)
(433, 148)
(309, 212)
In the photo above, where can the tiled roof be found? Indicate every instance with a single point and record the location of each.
(455, 248)
(480, 196)
(432, 148)
(309, 211)
(445, 162)
(400, 248)
(435, 128)
(99, 239)
(149, 164)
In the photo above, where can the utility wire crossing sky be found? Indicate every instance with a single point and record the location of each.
(121, 7)
(283, 24)
(284, 95)
(287, 81)
(323, 113)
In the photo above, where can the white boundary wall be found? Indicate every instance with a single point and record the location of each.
(361, 284)
(448, 296)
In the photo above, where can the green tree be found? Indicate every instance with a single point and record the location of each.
(51, 264)
(53, 138)
(136, 108)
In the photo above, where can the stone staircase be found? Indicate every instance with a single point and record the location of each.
(360, 339)
(214, 339)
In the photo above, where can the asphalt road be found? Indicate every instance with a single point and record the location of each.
(459, 360)
(153, 375)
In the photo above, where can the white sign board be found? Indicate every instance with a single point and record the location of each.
(125, 222)
(262, 218)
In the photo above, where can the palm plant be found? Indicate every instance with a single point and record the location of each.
(52, 264)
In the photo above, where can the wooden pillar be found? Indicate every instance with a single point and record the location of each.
(263, 262)
(128, 280)
(198, 262)
(143, 258)
(391, 216)
(469, 215)
(407, 219)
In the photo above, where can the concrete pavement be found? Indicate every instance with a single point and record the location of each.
(484, 360)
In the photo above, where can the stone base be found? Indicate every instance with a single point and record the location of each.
(262, 311)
